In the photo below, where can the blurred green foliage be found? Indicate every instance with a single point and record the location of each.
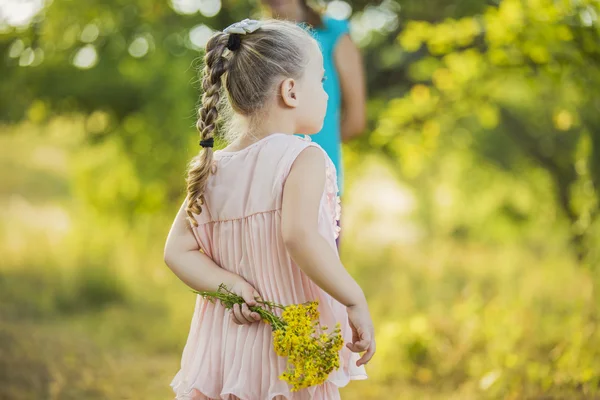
(514, 86)
(471, 209)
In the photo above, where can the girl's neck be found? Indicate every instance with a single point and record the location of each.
(253, 132)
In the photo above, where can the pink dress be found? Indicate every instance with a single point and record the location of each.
(240, 229)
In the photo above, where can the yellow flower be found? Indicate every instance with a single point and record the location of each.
(312, 354)
(311, 357)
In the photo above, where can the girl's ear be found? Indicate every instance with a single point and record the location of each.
(289, 92)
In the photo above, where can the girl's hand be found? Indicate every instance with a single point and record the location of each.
(363, 335)
(241, 314)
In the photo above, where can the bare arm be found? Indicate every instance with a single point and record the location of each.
(349, 65)
(318, 259)
(300, 214)
(194, 268)
(198, 271)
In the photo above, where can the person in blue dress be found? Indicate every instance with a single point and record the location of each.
(345, 81)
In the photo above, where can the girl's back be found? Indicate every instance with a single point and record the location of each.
(240, 229)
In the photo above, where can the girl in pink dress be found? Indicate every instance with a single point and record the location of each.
(261, 217)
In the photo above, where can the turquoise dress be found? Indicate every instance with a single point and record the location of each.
(329, 138)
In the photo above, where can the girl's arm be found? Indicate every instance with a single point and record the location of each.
(314, 255)
(349, 65)
(183, 256)
(300, 218)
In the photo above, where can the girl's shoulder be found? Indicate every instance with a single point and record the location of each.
(286, 148)
(293, 143)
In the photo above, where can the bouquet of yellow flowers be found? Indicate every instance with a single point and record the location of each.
(312, 353)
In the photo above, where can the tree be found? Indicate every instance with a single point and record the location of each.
(519, 79)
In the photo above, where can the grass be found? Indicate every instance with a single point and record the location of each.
(446, 328)
(89, 311)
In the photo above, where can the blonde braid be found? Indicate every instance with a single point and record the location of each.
(200, 167)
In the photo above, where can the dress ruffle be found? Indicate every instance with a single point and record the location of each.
(332, 192)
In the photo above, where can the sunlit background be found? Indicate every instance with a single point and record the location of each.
(470, 210)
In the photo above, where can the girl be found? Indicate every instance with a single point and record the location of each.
(346, 110)
(260, 217)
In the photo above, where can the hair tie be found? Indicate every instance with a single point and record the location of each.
(207, 142)
(243, 27)
(234, 42)
(235, 32)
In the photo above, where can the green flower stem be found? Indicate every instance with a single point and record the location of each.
(229, 299)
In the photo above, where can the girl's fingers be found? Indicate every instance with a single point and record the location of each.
(236, 312)
(249, 295)
(247, 314)
(367, 356)
(232, 315)
(241, 314)
(360, 346)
